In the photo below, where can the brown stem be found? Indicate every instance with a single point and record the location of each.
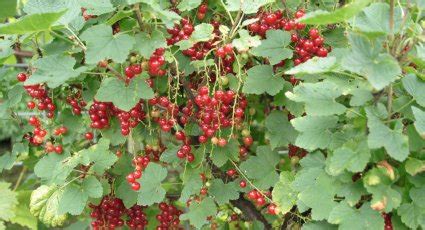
(113, 71)
(22, 53)
(138, 15)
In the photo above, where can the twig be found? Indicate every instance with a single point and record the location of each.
(116, 73)
(390, 101)
(21, 176)
(138, 15)
(19, 65)
(23, 53)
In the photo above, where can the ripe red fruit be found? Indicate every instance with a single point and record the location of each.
(180, 154)
(222, 142)
(130, 178)
(248, 141)
(89, 136)
(271, 209)
(190, 157)
(203, 8)
(228, 48)
(30, 105)
(135, 186)
(231, 172)
(299, 13)
(200, 15)
(58, 149)
(137, 69)
(322, 52)
(137, 174)
(313, 33)
(220, 52)
(180, 135)
(271, 19)
(129, 72)
(252, 195)
(260, 201)
(242, 184)
(203, 191)
(21, 77)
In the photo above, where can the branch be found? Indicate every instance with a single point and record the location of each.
(247, 208)
(138, 15)
(23, 53)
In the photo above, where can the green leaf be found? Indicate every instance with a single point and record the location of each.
(319, 196)
(101, 44)
(72, 7)
(54, 168)
(314, 131)
(417, 196)
(352, 192)
(414, 166)
(72, 201)
(129, 95)
(349, 218)
(261, 80)
(245, 41)
(352, 156)
(378, 183)
(8, 201)
(261, 168)
(151, 191)
(126, 194)
(202, 33)
(198, 212)
(321, 17)
(146, 44)
(280, 131)
(415, 87)
(7, 160)
(221, 155)
(375, 18)
(7, 8)
(319, 98)
(31, 23)
(74, 197)
(247, 6)
(97, 7)
(393, 140)
(314, 65)
(98, 156)
(44, 204)
(419, 121)
(22, 212)
(170, 154)
(284, 196)
(365, 59)
(54, 70)
(186, 5)
(223, 193)
(274, 47)
(192, 184)
(412, 215)
(318, 225)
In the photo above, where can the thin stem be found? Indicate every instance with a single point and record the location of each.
(21, 176)
(138, 15)
(390, 100)
(116, 73)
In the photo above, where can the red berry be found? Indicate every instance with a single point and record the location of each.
(314, 33)
(130, 178)
(203, 8)
(322, 52)
(21, 77)
(129, 72)
(228, 48)
(180, 135)
(137, 174)
(242, 184)
(89, 136)
(271, 19)
(271, 209)
(135, 186)
(30, 105)
(58, 149)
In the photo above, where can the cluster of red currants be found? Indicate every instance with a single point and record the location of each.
(257, 197)
(139, 163)
(180, 31)
(164, 112)
(154, 152)
(76, 103)
(308, 48)
(296, 151)
(132, 71)
(156, 61)
(108, 214)
(169, 217)
(202, 10)
(37, 136)
(275, 20)
(387, 220)
(137, 218)
(101, 113)
(39, 93)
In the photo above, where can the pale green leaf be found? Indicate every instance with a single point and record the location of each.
(321, 17)
(314, 65)
(54, 70)
(412, 215)
(419, 121)
(22, 212)
(375, 18)
(223, 193)
(44, 204)
(151, 191)
(221, 155)
(349, 218)
(198, 212)
(415, 87)
(414, 166)
(319, 98)
(97, 7)
(186, 5)
(129, 95)
(261, 80)
(393, 140)
(8, 201)
(72, 201)
(261, 168)
(280, 131)
(31, 23)
(7, 8)
(284, 196)
(274, 47)
(102, 44)
(245, 41)
(247, 6)
(72, 7)
(146, 43)
(314, 131)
